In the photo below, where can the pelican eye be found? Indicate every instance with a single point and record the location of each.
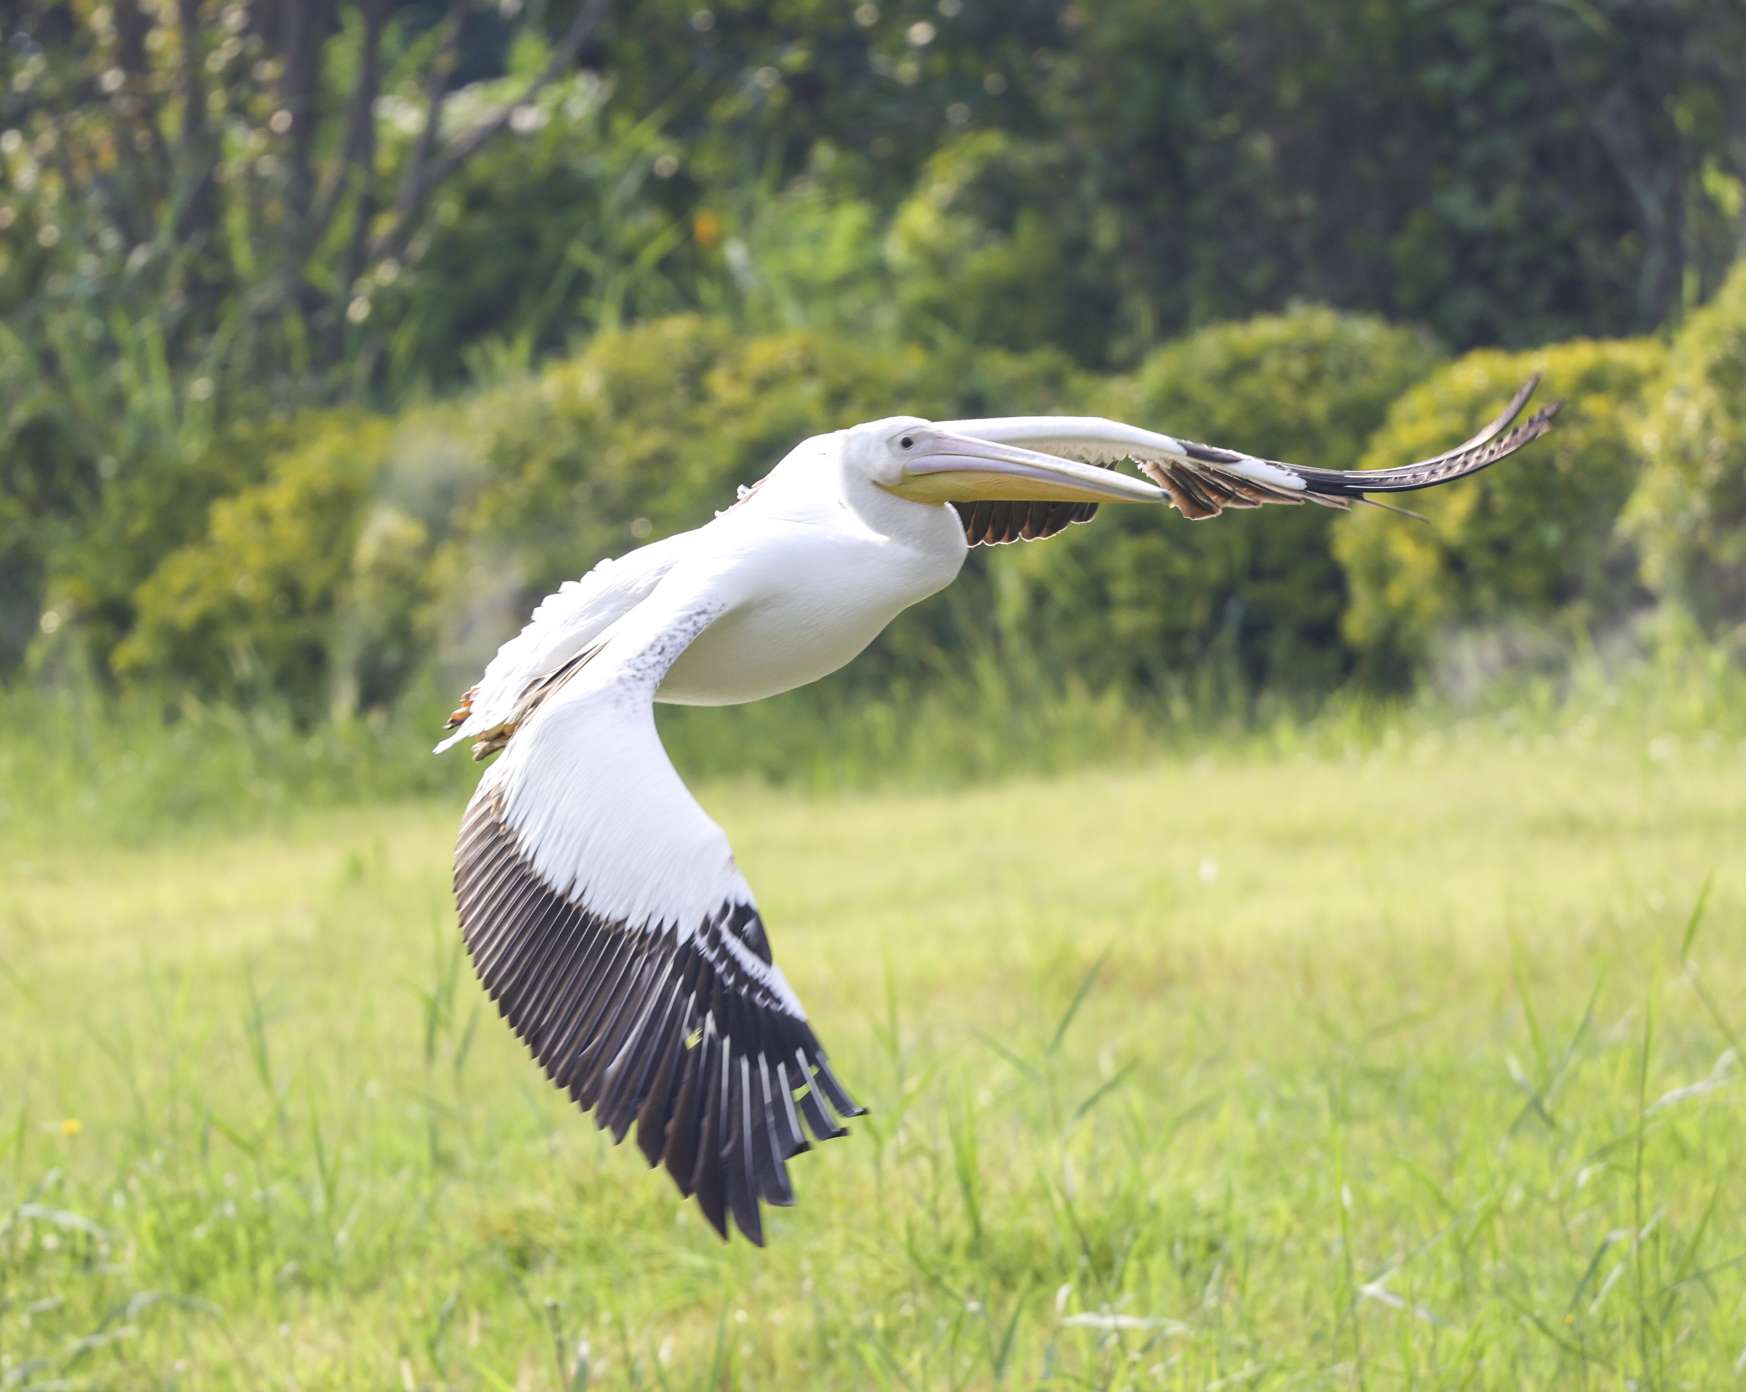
(907, 441)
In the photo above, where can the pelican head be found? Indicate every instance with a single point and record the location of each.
(925, 463)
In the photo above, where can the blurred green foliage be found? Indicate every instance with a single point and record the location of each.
(981, 251)
(1690, 513)
(1256, 594)
(249, 605)
(1535, 541)
(374, 550)
(1498, 172)
(336, 333)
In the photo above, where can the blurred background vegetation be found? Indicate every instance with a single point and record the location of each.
(334, 333)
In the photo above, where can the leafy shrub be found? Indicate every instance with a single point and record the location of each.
(1689, 513)
(986, 249)
(1535, 538)
(808, 255)
(1256, 593)
(248, 608)
(109, 464)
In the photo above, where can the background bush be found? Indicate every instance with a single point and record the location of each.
(1535, 540)
(1256, 594)
(1689, 515)
(248, 609)
(985, 249)
(329, 346)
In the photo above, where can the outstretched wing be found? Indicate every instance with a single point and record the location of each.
(1204, 480)
(605, 915)
(562, 625)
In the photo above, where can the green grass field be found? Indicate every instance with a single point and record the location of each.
(1415, 1066)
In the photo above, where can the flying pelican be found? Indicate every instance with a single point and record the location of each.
(600, 904)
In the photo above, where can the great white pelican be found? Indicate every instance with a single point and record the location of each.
(601, 905)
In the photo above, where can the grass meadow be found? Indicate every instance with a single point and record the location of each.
(1402, 1059)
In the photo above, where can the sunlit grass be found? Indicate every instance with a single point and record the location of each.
(77, 766)
(1410, 1059)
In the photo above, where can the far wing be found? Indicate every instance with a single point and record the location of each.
(1204, 480)
(605, 915)
(563, 624)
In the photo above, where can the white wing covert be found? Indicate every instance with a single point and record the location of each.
(1204, 480)
(604, 914)
(561, 626)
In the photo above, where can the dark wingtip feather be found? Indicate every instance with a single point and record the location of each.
(835, 1093)
(823, 1127)
(739, 1157)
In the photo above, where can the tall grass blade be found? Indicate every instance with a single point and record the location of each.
(1078, 1000)
(1697, 916)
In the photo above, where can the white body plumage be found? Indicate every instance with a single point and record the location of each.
(813, 562)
